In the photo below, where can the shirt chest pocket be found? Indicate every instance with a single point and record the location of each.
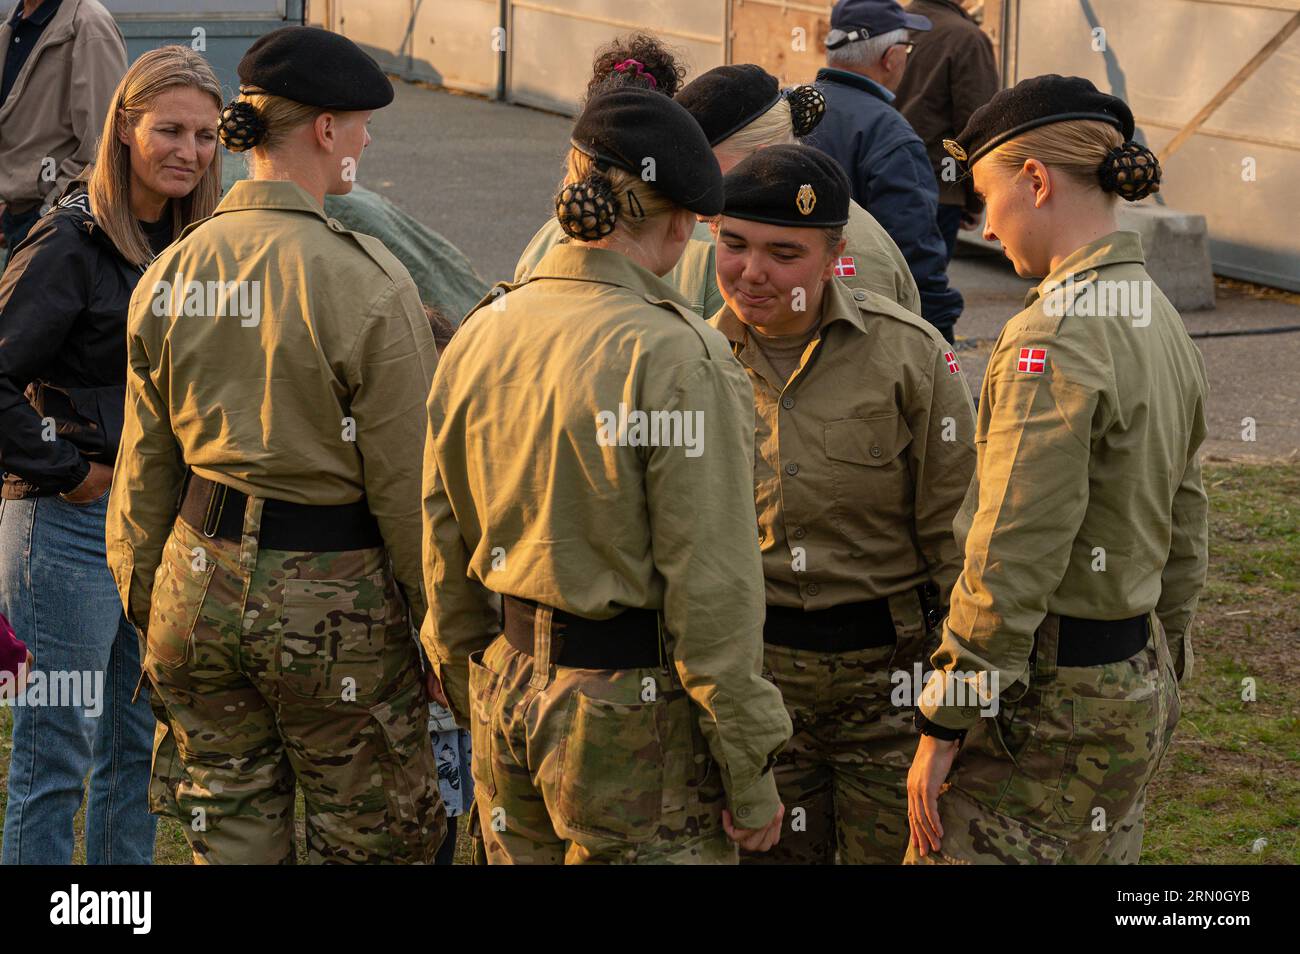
(871, 483)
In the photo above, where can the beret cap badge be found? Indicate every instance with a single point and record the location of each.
(806, 200)
(783, 185)
(954, 149)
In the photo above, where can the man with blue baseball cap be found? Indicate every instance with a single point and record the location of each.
(853, 20)
(886, 161)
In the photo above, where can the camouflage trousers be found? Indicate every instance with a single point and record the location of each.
(843, 776)
(582, 766)
(1059, 775)
(276, 667)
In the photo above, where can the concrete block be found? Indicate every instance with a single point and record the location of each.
(1177, 248)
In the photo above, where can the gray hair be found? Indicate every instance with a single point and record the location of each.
(864, 54)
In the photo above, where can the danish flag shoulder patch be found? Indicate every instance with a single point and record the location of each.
(953, 366)
(844, 266)
(1032, 360)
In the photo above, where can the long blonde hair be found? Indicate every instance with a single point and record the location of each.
(109, 184)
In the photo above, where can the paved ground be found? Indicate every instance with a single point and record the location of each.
(484, 174)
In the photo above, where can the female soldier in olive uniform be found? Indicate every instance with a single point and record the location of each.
(864, 452)
(284, 361)
(641, 60)
(1085, 529)
(742, 109)
(622, 716)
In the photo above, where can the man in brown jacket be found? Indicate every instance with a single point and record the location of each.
(950, 74)
(60, 61)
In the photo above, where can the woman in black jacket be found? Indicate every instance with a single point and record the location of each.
(63, 307)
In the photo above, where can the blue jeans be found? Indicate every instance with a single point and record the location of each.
(57, 591)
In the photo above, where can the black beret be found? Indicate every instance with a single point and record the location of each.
(726, 99)
(1035, 102)
(628, 127)
(315, 67)
(788, 185)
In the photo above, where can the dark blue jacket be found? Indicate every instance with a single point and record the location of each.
(892, 179)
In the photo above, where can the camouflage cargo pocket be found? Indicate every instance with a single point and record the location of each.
(1025, 749)
(483, 687)
(417, 819)
(611, 775)
(975, 834)
(179, 589)
(339, 638)
(1112, 755)
(166, 773)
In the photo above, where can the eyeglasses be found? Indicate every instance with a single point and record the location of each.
(838, 38)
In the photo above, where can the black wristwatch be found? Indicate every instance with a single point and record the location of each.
(926, 727)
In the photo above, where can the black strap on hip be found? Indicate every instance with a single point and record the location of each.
(629, 640)
(1095, 642)
(217, 511)
(839, 629)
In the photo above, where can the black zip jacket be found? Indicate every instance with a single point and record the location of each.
(63, 307)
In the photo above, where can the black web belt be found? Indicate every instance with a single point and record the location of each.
(629, 640)
(1095, 642)
(217, 511)
(838, 629)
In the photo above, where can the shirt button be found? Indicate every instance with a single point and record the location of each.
(800, 533)
(744, 812)
(792, 469)
(787, 402)
(875, 450)
(813, 589)
(860, 295)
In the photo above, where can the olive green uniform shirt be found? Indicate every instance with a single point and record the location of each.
(862, 458)
(302, 381)
(1087, 500)
(524, 496)
(876, 264)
